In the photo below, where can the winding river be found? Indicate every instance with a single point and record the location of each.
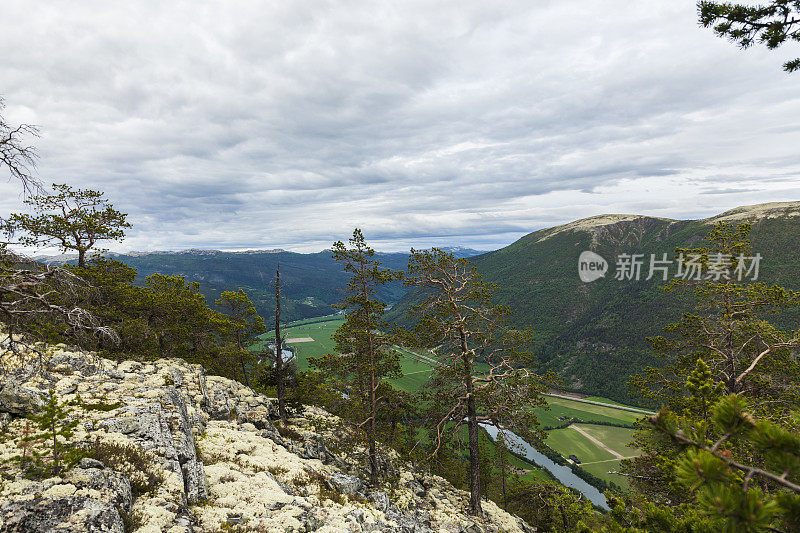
(563, 473)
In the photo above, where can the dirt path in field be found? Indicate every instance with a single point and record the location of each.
(299, 339)
(598, 442)
(609, 460)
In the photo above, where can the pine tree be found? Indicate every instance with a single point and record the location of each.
(758, 493)
(280, 378)
(502, 466)
(244, 323)
(770, 24)
(460, 321)
(364, 361)
(73, 219)
(50, 451)
(728, 329)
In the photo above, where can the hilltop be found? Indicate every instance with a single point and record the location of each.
(594, 334)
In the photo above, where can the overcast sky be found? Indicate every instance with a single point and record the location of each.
(235, 125)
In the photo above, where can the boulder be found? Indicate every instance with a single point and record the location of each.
(17, 400)
(345, 484)
(114, 487)
(45, 515)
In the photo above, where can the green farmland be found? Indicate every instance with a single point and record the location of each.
(595, 458)
(563, 407)
(320, 330)
(591, 445)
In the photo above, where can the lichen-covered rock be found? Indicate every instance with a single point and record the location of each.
(108, 485)
(346, 484)
(218, 460)
(61, 515)
(17, 400)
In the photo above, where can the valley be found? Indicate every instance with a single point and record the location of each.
(596, 430)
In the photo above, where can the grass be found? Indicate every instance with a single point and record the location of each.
(314, 320)
(615, 438)
(415, 372)
(319, 330)
(568, 442)
(600, 399)
(562, 407)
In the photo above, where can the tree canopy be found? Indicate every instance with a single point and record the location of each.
(771, 24)
(75, 220)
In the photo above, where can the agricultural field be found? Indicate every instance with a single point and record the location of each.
(319, 330)
(563, 407)
(600, 399)
(599, 448)
(415, 372)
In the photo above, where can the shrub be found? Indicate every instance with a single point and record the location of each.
(288, 433)
(137, 464)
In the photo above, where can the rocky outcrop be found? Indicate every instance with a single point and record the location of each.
(16, 400)
(185, 452)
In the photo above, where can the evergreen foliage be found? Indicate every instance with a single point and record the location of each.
(73, 219)
(743, 471)
(459, 319)
(242, 325)
(364, 360)
(50, 450)
(729, 331)
(771, 24)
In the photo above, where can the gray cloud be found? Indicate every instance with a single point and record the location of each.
(285, 125)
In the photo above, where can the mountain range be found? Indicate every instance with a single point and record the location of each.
(594, 335)
(310, 283)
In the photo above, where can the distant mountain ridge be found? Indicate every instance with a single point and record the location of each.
(310, 283)
(594, 334)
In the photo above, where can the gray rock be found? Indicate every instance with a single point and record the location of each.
(470, 527)
(45, 515)
(417, 488)
(115, 488)
(356, 516)
(312, 447)
(312, 523)
(378, 525)
(194, 482)
(345, 484)
(271, 433)
(415, 523)
(234, 519)
(382, 502)
(18, 400)
(88, 462)
(126, 425)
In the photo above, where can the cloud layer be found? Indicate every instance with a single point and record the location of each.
(246, 125)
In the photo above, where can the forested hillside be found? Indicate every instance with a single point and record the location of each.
(310, 283)
(594, 335)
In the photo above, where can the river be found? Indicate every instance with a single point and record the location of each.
(562, 473)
